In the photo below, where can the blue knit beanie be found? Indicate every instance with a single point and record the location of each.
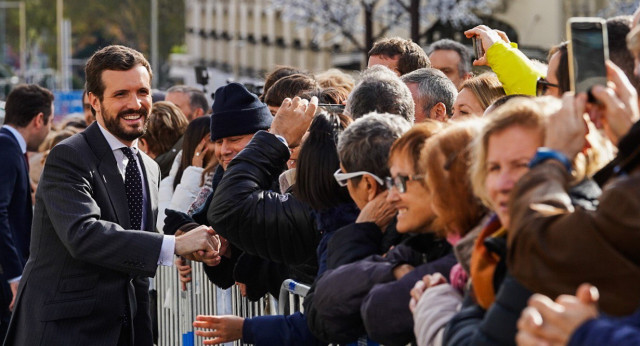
(237, 112)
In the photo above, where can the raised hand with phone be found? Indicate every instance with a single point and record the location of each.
(483, 38)
(617, 107)
(612, 99)
(516, 72)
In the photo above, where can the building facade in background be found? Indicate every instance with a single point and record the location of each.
(242, 39)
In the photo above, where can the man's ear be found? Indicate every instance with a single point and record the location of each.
(199, 112)
(439, 112)
(38, 121)
(95, 103)
(372, 187)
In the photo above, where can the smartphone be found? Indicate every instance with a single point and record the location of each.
(334, 108)
(477, 47)
(588, 50)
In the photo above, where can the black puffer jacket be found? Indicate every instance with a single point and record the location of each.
(253, 217)
(359, 240)
(335, 312)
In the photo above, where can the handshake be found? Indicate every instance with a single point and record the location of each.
(199, 244)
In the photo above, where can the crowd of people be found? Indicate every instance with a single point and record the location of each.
(420, 202)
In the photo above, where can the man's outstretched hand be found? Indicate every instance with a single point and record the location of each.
(202, 240)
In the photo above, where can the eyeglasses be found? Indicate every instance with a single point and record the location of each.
(342, 178)
(400, 181)
(542, 86)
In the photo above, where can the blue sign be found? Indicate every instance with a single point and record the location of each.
(67, 102)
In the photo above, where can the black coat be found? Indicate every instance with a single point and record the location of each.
(261, 274)
(359, 240)
(246, 211)
(341, 299)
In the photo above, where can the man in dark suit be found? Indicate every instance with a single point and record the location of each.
(29, 113)
(93, 243)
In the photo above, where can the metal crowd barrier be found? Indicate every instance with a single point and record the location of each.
(178, 309)
(291, 297)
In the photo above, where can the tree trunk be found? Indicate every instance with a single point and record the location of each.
(368, 32)
(414, 13)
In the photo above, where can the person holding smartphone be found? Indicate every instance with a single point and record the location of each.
(614, 271)
(516, 72)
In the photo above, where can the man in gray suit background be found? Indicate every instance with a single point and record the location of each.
(93, 244)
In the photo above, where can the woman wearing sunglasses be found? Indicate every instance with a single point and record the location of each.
(372, 292)
(374, 231)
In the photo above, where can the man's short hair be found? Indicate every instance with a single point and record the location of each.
(373, 134)
(290, 86)
(380, 90)
(433, 87)
(26, 101)
(464, 66)
(411, 55)
(115, 58)
(197, 98)
(276, 74)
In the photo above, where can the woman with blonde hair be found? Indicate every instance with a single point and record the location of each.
(446, 159)
(507, 143)
(476, 94)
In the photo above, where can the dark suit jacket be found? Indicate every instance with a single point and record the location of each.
(15, 213)
(86, 277)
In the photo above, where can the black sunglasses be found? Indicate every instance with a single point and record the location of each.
(542, 86)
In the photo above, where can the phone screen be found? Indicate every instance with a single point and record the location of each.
(590, 51)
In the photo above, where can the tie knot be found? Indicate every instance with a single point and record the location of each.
(128, 153)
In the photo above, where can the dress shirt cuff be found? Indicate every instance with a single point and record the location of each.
(167, 250)
(16, 279)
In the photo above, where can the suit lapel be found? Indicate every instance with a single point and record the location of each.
(108, 170)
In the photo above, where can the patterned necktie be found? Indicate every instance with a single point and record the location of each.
(133, 186)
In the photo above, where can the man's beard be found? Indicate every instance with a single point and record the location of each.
(116, 128)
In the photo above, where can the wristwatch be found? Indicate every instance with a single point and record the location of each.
(544, 154)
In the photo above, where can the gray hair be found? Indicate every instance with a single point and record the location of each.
(197, 98)
(433, 87)
(380, 90)
(464, 66)
(364, 145)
